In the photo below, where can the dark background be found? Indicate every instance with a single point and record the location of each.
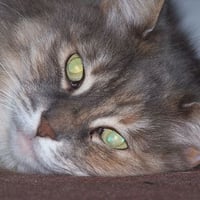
(180, 185)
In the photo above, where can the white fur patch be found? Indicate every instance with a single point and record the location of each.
(48, 153)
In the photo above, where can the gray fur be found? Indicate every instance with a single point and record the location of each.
(146, 87)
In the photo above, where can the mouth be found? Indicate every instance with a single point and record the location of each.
(23, 151)
(22, 148)
(24, 144)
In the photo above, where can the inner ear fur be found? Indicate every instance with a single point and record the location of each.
(191, 111)
(122, 14)
(192, 156)
(190, 106)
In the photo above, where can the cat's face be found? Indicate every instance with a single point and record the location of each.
(117, 112)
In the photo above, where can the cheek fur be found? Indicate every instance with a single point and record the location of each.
(107, 162)
(57, 157)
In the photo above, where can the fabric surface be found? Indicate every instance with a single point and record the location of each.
(180, 185)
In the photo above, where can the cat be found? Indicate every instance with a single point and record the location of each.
(96, 88)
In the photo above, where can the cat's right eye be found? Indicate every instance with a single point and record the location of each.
(113, 139)
(75, 70)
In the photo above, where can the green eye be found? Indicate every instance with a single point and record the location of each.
(113, 139)
(74, 68)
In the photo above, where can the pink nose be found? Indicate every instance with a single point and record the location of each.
(45, 130)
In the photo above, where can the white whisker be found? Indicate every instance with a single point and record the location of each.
(5, 105)
(9, 74)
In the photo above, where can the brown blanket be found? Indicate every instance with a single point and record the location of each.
(172, 186)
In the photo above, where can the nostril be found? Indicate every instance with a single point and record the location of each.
(45, 130)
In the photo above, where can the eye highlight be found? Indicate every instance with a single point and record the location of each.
(113, 139)
(74, 68)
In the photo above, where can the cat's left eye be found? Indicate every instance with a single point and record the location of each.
(75, 69)
(113, 139)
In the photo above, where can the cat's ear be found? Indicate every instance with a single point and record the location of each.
(192, 155)
(140, 14)
(191, 111)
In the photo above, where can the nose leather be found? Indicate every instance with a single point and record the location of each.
(45, 130)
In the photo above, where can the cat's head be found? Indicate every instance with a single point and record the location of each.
(94, 90)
